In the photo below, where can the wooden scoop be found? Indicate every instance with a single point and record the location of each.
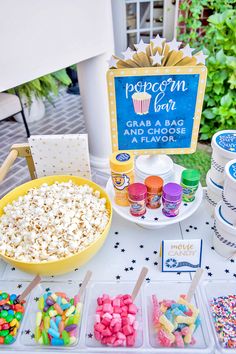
(139, 282)
(194, 284)
(29, 288)
(85, 283)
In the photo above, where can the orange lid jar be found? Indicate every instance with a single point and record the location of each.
(154, 186)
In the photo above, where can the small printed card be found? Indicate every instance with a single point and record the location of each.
(181, 255)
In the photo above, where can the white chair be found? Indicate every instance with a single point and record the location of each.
(9, 105)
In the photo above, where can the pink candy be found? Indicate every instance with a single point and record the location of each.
(116, 323)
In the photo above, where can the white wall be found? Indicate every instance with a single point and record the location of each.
(42, 36)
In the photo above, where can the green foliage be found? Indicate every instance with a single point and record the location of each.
(219, 43)
(44, 86)
(200, 160)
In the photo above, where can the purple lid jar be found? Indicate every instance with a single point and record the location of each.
(171, 198)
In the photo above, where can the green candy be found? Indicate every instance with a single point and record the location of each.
(18, 316)
(65, 337)
(3, 313)
(45, 338)
(41, 303)
(72, 301)
(4, 296)
(8, 339)
(70, 321)
(4, 332)
(9, 318)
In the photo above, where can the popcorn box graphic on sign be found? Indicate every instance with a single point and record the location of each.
(141, 102)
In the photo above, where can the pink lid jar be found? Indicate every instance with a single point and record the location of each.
(137, 198)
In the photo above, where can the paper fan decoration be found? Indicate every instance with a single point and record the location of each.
(158, 52)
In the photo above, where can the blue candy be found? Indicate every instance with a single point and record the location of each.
(53, 333)
(58, 320)
(59, 300)
(197, 322)
(13, 297)
(57, 341)
(65, 306)
(53, 325)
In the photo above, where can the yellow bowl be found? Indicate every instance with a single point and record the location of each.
(66, 264)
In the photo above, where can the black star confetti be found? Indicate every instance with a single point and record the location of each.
(187, 230)
(178, 273)
(13, 268)
(52, 276)
(232, 260)
(126, 269)
(141, 246)
(155, 263)
(207, 223)
(36, 299)
(115, 246)
(47, 289)
(212, 227)
(133, 261)
(190, 226)
(27, 331)
(234, 275)
(117, 243)
(143, 217)
(185, 204)
(226, 271)
(213, 248)
(19, 286)
(148, 280)
(90, 335)
(80, 284)
(123, 250)
(131, 268)
(207, 267)
(116, 232)
(209, 274)
(118, 277)
(155, 252)
(195, 227)
(147, 259)
(156, 219)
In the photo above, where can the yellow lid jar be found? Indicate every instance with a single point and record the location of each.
(122, 173)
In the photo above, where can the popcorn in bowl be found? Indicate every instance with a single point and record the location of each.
(52, 222)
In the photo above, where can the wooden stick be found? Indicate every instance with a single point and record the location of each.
(194, 284)
(12, 156)
(29, 288)
(85, 282)
(139, 282)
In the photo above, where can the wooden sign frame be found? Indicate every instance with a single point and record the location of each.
(157, 71)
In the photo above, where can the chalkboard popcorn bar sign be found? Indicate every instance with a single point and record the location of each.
(156, 109)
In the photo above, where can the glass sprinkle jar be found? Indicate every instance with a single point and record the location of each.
(154, 186)
(137, 198)
(171, 199)
(189, 181)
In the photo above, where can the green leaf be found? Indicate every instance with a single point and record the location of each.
(215, 19)
(62, 77)
(208, 114)
(226, 100)
(205, 136)
(220, 57)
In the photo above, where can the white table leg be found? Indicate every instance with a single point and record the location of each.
(93, 87)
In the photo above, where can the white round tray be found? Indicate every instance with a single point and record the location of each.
(154, 218)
